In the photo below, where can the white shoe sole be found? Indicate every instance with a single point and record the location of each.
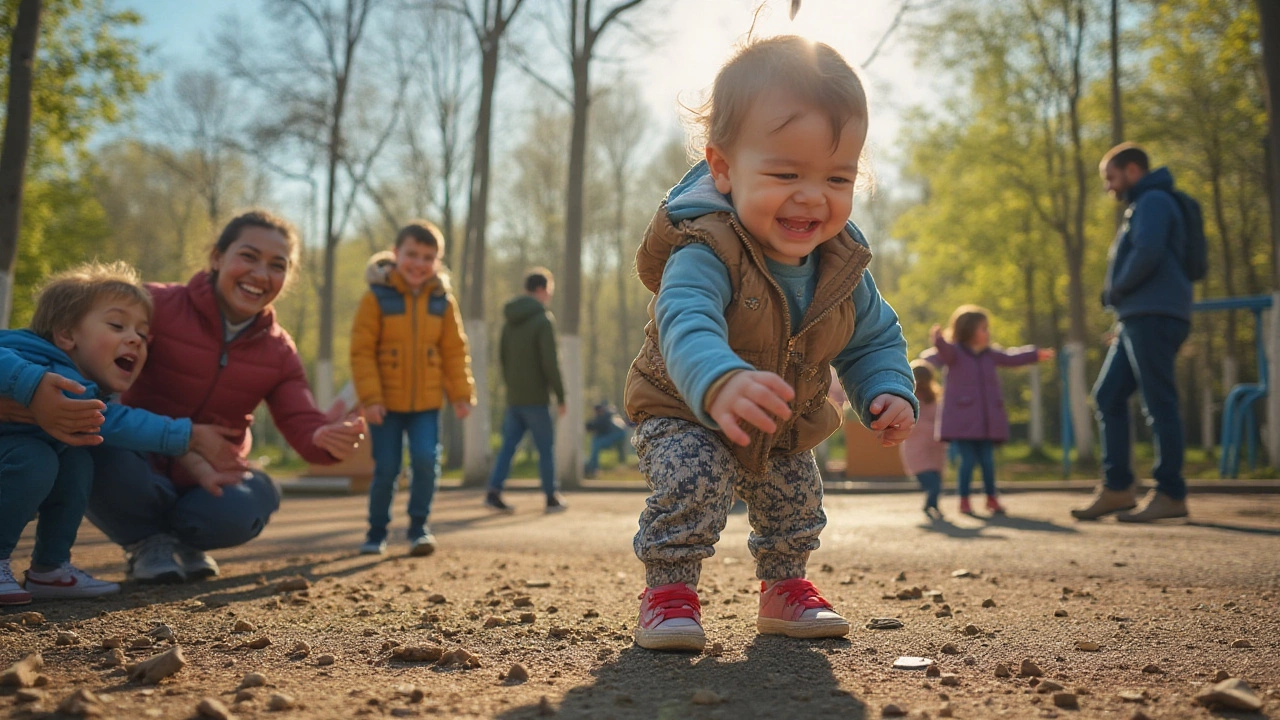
(167, 577)
(422, 550)
(803, 628)
(689, 640)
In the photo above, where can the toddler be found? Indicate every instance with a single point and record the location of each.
(922, 454)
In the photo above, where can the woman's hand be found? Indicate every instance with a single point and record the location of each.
(462, 409)
(74, 422)
(750, 395)
(895, 418)
(213, 443)
(340, 438)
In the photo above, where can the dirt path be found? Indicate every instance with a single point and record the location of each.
(557, 594)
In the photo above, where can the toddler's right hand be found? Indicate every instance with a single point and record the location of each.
(373, 414)
(210, 479)
(750, 395)
(74, 422)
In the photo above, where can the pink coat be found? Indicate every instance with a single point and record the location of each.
(921, 451)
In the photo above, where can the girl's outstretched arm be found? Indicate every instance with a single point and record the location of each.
(1013, 357)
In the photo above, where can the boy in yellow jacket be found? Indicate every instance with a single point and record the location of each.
(408, 352)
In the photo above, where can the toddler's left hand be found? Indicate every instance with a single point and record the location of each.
(462, 409)
(896, 418)
(1044, 354)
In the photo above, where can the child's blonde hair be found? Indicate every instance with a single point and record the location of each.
(812, 71)
(66, 297)
(927, 388)
(964, 322)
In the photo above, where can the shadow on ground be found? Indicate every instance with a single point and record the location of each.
(644, 684)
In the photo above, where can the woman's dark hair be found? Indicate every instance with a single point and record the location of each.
(261, 219)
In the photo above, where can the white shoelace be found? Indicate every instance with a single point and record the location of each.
(157, 550)
(6, 572)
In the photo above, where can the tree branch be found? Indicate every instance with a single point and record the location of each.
(893, 26)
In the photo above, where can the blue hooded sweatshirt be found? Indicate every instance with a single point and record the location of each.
(1145, 275)
(25, 358)
(694, 338)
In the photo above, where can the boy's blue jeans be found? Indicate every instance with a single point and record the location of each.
(423, 429)
(931, 482)
(616, 436)
(972, 454)
(36, 478)
(1141, 359)
(535, 419)
(130, 502)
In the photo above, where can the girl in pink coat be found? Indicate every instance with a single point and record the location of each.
(923, 455)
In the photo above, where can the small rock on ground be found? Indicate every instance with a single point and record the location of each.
(280, 701)
(1233, 694)
(517, 674)
(1066, 700)
(706, 697)
(893, 710)
(1029, 669)
(213, 709)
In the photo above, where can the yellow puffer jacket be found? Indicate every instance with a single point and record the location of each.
(408, 352)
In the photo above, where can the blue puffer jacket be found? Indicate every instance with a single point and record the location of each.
(1145, 275)
(25, 358)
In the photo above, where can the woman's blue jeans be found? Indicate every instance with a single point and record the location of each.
(423, 430)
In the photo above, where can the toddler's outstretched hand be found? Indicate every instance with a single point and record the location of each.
(750, 395)
(896, 418)
(1044, 354)
(935, 333)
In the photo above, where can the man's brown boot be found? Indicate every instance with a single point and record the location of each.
(1158, 507)
(1106, 502)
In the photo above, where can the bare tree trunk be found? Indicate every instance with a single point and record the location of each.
(1117, 116)
(1269, 13)
(17, 142)
(623, 361)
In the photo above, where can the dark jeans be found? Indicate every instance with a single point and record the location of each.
(423, 429)
(931, 482)
(34, 477)
(973, 453)
(535, 419)
(617, 437)
(130, 502)
(1141, 359)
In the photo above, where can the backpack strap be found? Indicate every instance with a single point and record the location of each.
(390, 301)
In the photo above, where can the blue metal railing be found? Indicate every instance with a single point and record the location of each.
(1239, 421)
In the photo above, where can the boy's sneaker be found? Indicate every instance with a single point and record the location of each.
(493, 501)
(555, 503)
(423, 545)
(796, 609)
(11, 593)
(196, 563)
(965, 507)
(373, 547)
(993, 505)
(670, 619)
(67, 581)
(151, 560)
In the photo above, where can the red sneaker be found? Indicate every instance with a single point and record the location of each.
(796, 609)
(994, 506)
(670, 619)
(965, 507)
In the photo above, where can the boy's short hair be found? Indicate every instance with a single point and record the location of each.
(1124, 155)
(538, 278)
(964, 322)
(66, 297)
(421, 231)
(814, 72)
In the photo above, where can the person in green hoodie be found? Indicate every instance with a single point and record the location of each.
(531, 370)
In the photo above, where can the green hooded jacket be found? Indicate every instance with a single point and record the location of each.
(530, 366)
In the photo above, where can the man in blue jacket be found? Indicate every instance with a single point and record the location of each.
(1148, 290)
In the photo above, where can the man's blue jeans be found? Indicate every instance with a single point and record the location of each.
(535, 419)
(130, 502)
(976, 453)
(423, 429)
(1141, 359)
(34, 477)
(615, 437)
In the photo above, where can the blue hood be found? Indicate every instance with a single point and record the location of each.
(1158, 179)
(36, 349)
(696, 195)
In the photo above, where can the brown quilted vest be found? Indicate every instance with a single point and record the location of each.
(760, 330)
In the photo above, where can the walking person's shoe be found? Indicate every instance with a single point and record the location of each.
(555, 503)
(1105, 502)
(493, 501)
(993, 505)
(196, 563)
(11, 593)
(965, 507)
(151, 560)
(1158, 507)
(670, 619)
(796, 609)
(423, 545)
(67, 581)
(933, 512)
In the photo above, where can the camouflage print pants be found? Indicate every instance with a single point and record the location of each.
(693, 476)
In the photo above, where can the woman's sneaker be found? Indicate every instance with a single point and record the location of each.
(151, 560)
(11, 593)
(195, 563)
(66, 582)
(670, 619)
(796, 609)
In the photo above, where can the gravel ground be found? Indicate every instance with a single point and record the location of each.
(1167, 607)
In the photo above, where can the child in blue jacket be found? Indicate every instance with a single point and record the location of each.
(90, 328)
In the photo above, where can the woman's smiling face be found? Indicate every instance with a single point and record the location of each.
(251, 272)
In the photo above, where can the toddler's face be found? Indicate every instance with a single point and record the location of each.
(416, 262)
(790, 189)
(109, 346)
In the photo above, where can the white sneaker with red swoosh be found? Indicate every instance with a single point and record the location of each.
(11, 593)
(66, 582)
